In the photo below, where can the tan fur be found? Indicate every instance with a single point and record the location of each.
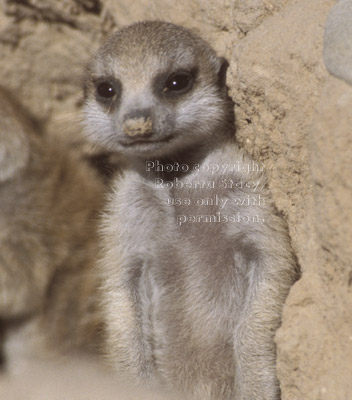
(137, 126)
(190, 302)
(49, 205)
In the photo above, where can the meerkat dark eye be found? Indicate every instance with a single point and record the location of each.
(180, 82)
(106, 90)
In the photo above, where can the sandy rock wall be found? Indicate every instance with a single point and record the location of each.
(291, 113)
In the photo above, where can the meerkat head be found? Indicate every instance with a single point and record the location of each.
(153, 89)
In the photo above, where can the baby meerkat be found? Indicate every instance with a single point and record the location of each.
(196, 262)
(49, 204)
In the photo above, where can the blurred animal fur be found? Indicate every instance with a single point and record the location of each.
(50, 199)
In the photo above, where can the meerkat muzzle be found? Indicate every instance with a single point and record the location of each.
(138, 126)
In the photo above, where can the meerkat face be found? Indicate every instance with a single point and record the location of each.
(155, 88)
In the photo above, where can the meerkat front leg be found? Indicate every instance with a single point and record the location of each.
(130, 239)
(254, 349)
(269, 277)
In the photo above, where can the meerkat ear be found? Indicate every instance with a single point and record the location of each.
(223, 65)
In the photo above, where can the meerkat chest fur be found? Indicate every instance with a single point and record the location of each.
(195, 262)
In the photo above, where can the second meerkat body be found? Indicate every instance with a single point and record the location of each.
(49, 204)
(196, 263)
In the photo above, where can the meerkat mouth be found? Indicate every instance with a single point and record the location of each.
(137, 142)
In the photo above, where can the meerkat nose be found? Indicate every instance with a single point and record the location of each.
(138, 123)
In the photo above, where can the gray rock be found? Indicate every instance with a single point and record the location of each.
(338, 41)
